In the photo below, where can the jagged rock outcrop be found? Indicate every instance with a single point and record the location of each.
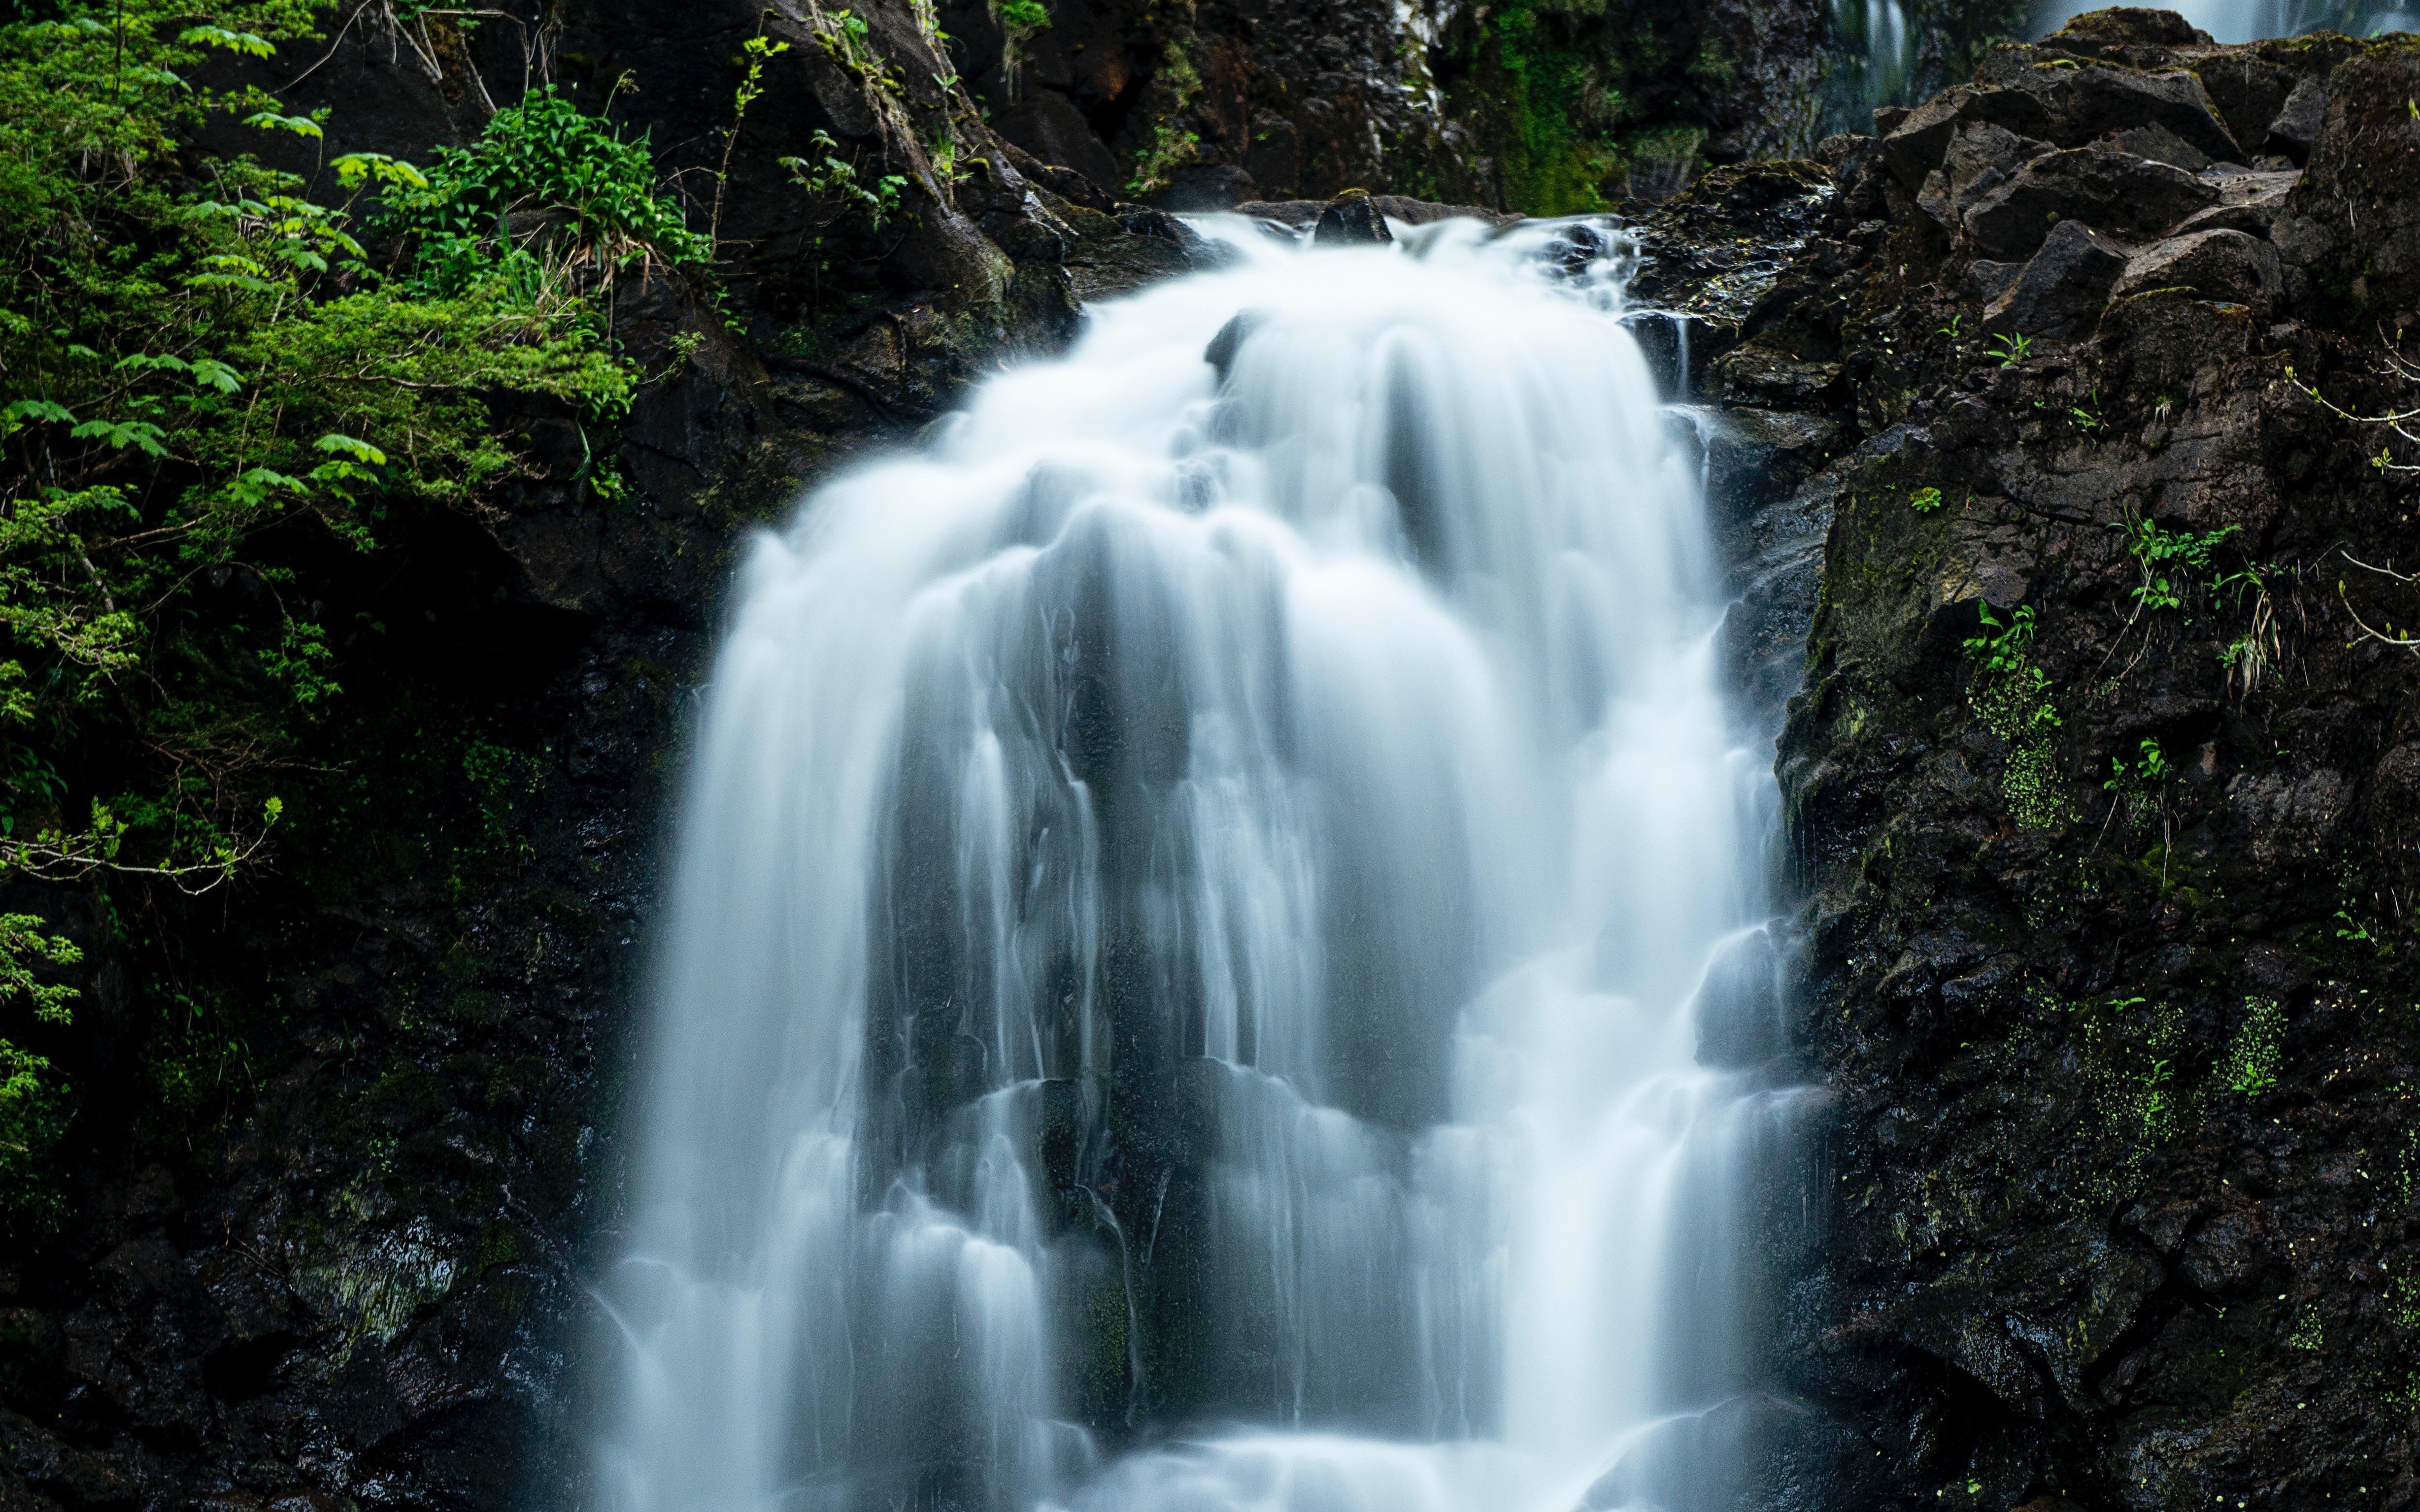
(1525, 106)
(2097, 780)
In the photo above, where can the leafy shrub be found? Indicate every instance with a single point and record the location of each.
(208, 403)
(545, 159)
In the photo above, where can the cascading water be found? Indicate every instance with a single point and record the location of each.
(2248, 21)
(1197, 903)
(1874, 63)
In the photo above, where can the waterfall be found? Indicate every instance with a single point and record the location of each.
(2249, 20)
(1218, 956)
(1876, 63)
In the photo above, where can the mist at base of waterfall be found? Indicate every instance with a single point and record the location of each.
(1199, 900)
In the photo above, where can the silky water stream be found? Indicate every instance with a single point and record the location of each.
(1198, 900)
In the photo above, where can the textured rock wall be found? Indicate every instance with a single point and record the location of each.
(1523, 106)
(2099, 790)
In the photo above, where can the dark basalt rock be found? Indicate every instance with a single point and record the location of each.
(2296, 128)
(2077, 1259)
(2112, 192)
(2094, 100)
(2062, 286)
(1913, 145)
(2217, 265)
(1350, 218)
(1980, 159)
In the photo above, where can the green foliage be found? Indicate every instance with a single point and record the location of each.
(756, 51)
(2250, 1065)
(211, 403)
(1551, 81)
(1925, 500)
(836, 178)
(2011, 695)
(2171, 562)
(589, 198)
(2010, 348)
(1169, 148)
(2150, 770)
(2137, 1104)
(1023, 18)
(2003, 647)
(33, 1105)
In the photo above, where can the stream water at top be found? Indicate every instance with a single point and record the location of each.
(1198, 898)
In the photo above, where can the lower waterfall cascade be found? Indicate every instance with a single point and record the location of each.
(1219, 954)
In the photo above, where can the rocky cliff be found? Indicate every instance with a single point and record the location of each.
(2097, 780)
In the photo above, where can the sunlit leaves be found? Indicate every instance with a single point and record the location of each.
(269, 120)
(219, 36)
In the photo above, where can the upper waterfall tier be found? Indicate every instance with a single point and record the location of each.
(1191, 910)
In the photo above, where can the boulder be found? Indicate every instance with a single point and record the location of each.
(1759, 375)
(2358, 235)
(1351, 218)
(1980, 158)
(2120, 26)
(1740, 1017)
(1914, 147)
(2115, 192)
(2092, 100)
(1221, 352)
(1199, 187)
(2249, 203)
(1988, 280)
(2219, 265)
(2062, 286)
(2158, 143)
(1422, 212)
(2296, 129)
(2246, 88)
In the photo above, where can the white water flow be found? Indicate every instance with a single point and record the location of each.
(1184, 972)
(1879, 56)
(2248, 21)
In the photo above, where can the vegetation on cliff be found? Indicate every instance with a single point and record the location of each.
(216, 402)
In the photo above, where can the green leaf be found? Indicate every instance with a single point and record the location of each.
(210, 373)
(21, 410)
(346, 445)
(269, 120)
(356, 168)
(122, 434)
(219, 36)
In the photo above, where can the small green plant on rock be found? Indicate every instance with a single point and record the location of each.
(1924, 501)
(2141, 785)
(2010, 348)
(2011, 695)
(2171, 562)
(834, 178)
(2130, 1051)
(2309, 1333)
(1169, 149)
(2250, 1065)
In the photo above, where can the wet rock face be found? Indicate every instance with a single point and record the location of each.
(2095, 780)
(337, 1256)
(1264, 100)
(1350, 218)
